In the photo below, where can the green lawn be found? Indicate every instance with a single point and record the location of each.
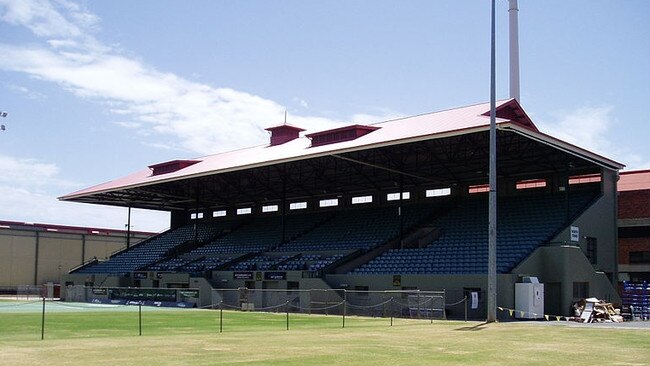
(191, 337)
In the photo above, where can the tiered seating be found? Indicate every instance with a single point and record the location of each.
(204, 264)
(324, 262)
(260, 234)
(636, 300)
(309, 262)
(151, 250)
(354, 229)
(254, 236)
(169, 265)
(316, 240)
(524, 223)
(259, 263)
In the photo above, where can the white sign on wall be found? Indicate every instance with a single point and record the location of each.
(474, 300)
(575, 233)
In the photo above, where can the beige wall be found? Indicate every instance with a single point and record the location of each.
(102, 246)
(34, 257)
(17, 254)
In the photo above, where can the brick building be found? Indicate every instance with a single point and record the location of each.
(634, 225)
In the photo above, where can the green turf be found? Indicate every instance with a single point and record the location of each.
(191, 337)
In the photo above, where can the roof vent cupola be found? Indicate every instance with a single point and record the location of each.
(171, 166)
(283, 133)
(341, 134)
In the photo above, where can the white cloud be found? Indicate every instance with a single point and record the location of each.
(586, 127)
(161, 108)
(181, 113)
(28, 190)
(44, 19)
(26, 92)
(301, 102)
(26, 172)
(201, 118)
(591, 128)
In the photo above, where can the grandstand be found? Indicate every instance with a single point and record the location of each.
(397, 205)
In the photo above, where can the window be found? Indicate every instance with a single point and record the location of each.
(195, 215)
(479, 188)
(582, 179)
(592, 246)
(438, 192)
(639, 257)
(219, 213)
(298, 205)
(270, 208)
(395, 196)
(361, 199)
(244, 211)
(580, 290)
(329, 202)
(531, 183)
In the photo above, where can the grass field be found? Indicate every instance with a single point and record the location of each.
(191, 337)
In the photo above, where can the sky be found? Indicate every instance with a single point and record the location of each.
(95, 90)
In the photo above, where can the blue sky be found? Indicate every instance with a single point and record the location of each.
(98, 89)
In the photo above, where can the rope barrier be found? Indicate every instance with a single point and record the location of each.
(90, 306)
(230, 306)
(411, 305)
(20, 304)
(456, 303)
(369, 306)
(270, 307)
(317, 309)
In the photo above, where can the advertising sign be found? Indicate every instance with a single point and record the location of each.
(99, 291)
(275, 276)
(142, 294)
(242, 275)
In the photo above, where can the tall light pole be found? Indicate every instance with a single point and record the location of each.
(3, 114)
(128, 229)
(492, 225)
(513, 14)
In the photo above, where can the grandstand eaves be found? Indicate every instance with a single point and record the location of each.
(462, 125)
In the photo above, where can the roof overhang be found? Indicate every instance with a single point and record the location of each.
(564, 146)
(455, 144)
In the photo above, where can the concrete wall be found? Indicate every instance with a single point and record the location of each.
(598, 221)
(455, 287)
(34, 257)
(559, 267)
(17, 258)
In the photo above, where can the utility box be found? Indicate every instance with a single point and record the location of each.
(529, 299)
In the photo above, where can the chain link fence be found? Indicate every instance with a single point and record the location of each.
(399, 303)
(30, 292)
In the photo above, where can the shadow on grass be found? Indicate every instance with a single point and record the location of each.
(473, 328)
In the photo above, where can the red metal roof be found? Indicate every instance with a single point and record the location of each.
(409, 129)
(171, 166)
(340, 134)
(638, 180)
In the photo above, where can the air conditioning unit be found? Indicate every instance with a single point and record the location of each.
(529, 299)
